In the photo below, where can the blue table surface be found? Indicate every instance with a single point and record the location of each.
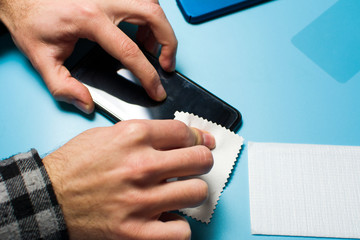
(290, 67)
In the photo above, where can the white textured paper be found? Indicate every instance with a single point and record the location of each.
(228, 145)
(304, 190)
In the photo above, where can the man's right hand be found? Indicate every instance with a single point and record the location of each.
(112, 183)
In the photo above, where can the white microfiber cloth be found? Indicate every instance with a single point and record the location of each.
(228, 145)
(304, 190)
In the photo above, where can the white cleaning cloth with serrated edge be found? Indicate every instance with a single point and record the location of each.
(228, 146)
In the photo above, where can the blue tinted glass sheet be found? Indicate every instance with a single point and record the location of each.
(332, 41)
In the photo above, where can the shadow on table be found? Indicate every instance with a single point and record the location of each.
(7, 46)
(6, 43)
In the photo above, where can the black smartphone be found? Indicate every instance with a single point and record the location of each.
(119, 95)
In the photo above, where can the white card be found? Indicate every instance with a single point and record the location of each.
(304, 190)
(228, 145)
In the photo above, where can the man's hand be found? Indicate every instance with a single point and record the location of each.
(46, 31)
(112, 182)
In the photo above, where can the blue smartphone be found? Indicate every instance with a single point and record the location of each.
(197, 11)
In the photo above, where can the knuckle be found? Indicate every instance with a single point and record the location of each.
(141, 199)
(118, 230)
(88, 10)
(136, 196)
(155, 10)
(180, 126)
(66, 91)
(136, 131)
(129, 49)
(201, 190)
(184, 133)
(127, 230)
(59, 94)
(143, 170)
(205, 158)
(153, 77)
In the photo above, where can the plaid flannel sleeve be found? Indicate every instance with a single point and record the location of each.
(28, 205)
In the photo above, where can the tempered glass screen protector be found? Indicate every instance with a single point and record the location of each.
(121, 97)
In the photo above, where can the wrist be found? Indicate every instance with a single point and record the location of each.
(29, 202)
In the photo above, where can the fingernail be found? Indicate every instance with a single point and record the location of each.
(161, 93)
(86, 108)
(208, 140)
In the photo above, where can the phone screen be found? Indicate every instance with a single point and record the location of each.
(118, 94)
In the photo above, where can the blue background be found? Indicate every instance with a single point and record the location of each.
(258, 60)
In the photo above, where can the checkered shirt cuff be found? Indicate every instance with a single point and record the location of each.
(28, 205)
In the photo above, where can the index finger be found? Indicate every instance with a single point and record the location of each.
(121, 47)
(150, 13)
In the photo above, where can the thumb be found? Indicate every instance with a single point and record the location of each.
(64, 87)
